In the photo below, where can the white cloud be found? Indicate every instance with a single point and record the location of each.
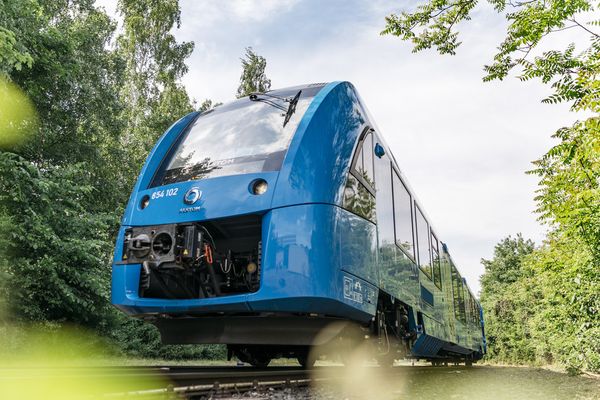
(250, 11)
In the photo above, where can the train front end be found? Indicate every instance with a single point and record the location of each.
(234, 232)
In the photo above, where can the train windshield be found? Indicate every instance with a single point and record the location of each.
(241, 137)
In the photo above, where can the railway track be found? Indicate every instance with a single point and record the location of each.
(191, 382)
(162, 382)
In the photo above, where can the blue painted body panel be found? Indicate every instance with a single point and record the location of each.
(318, 159)
(221, 197)
(317, 257)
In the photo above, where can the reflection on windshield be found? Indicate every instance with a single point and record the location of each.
(238, 138)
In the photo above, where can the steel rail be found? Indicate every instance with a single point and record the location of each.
(193, 382)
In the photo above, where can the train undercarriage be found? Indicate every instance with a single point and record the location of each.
(258, 338)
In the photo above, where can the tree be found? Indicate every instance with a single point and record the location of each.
(58, 198)
(504, 316)
(253, 78)
(56, 247)
(63, 190)
(506, 266)
(154, 65)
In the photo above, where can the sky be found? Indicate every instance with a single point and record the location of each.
(463, 144)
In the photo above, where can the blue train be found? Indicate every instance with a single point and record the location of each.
(280, 223)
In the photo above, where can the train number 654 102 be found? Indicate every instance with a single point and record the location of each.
(162, 193)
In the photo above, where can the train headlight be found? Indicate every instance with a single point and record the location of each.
(144, 202)
(259, 186)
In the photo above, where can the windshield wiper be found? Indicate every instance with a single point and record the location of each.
(289, 110)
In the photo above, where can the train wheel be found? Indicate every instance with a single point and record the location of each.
(260, 362)
(306, 360)
(253, 356)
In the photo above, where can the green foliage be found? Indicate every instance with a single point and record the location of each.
(140, 339)
(505, 268)
(13, 53)
(565, 325)
(154, 63)
(253, 78)
(58, 270)
(436, 21)
(502, 300)
(434, 24)
(62, 194)
(542, 306)
(569, 193)
(102, 101)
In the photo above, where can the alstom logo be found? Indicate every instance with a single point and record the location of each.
(192, 196)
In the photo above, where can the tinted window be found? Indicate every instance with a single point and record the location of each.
(367, 150)
(385, 210)
(458, 294)
(358, 199)
(360, 185)
(469, 305)
(241, 137)
(423, 242)
(437, 269)
(363, 163)
(403, 216)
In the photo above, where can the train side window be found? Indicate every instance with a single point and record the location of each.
(467, 304)
(472, 313)
(403, 216)
(358, 199)
(359, 192)
(363, 162)
(367, 150)
(458, 295)
(437, 268)
(423, 242)
(461, 300)
(474, 310)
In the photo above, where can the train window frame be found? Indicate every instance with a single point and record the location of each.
(359, 154)
(427, 271)
(458, 295)
(468, 310)
(413, 256)
(435, 259)
(361, 183)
